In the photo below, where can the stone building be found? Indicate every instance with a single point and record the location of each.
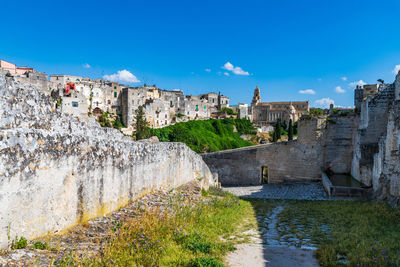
(196, 108)
(26, 75)
(215, 101)
(160, 105)
(39, 79)
(361, 93)
(243, 111)
(13, 69)
(264, 113)
(158, 112)
(76, 105)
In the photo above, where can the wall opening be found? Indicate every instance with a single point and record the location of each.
(264, 175)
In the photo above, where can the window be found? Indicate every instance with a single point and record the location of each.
(205, 107)
(133, 102)
(115, 102)
(115, 87)
(75, 104)
(115, 94)
(170, 103)
(213, 100)
(197, 107)
(109, 102)
(165, 121)
(165, 115)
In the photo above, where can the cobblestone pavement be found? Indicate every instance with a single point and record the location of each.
(303, 190)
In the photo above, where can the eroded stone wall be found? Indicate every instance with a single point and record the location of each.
(376, 160)
(57, 171)
(320, 145)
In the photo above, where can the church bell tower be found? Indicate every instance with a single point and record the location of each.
(256, 97)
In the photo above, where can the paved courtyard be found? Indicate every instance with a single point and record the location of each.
(303, 190)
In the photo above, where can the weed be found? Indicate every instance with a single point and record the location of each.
(187, 235)
(205, 262)
(40, 245)
(19, 243)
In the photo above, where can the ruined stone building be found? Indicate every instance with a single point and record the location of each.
(361, 93)
(264, 113)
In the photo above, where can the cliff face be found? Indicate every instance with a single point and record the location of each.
(376, 159)
(56, 171)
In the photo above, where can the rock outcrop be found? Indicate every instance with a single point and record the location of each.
(57, 171)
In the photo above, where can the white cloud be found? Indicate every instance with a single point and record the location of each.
(396, 69)
(122, 76)
(324, 102)
(235, 70)
(360, 83)
(344, 78)
(226, 73)
(339, 90)
(208, 70)
(307, 92)
(86, 66)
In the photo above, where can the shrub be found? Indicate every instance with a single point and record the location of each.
(40, 245)
(19, 243)
(207, 135)
(316, 112)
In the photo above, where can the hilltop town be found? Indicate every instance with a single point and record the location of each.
(82, 96)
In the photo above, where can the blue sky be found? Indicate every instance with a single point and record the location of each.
(284, 47)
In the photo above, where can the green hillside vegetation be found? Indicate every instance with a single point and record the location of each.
(207, 135)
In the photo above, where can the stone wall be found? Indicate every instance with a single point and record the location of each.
(374, 121)
(57, 171)
(338, 141)
(376, 160)
(320, 145)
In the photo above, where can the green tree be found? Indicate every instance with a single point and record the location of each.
(285, 126)
(290, 131)
(295, 128)
(316, 112)
(278, 129)
(142, 130)
(274, 138)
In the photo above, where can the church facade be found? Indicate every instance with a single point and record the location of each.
(266, 113)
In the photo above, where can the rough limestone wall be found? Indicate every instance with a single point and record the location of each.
(57, 171)
(286, 161)
(386, 167)
(373, 126)
(338, 142)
